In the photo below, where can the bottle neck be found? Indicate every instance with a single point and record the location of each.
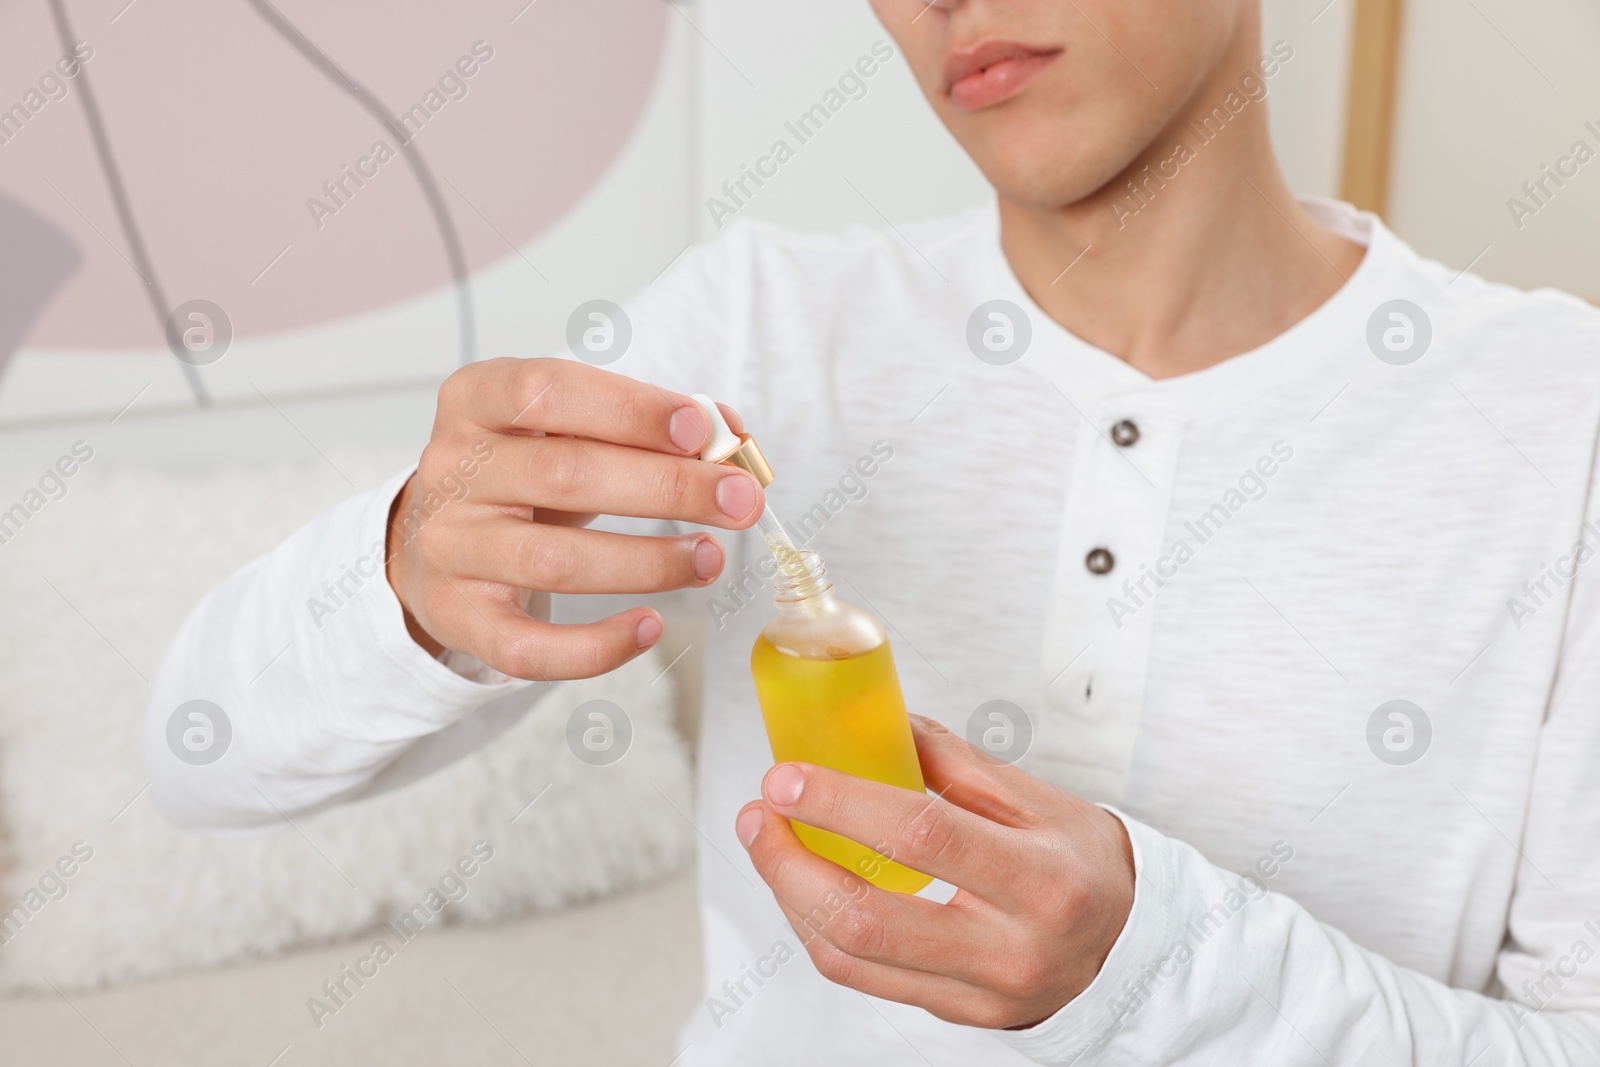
(800, 581)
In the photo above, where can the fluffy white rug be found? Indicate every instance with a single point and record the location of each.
(93, 586)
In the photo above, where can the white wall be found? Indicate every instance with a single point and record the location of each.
(764, 61)
(736, 71)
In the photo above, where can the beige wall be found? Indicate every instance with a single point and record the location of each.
(1308, 95)
(1489, 91)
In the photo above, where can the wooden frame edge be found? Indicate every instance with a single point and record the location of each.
(1370, 104)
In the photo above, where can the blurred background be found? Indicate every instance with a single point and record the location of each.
(572, 169)
(232, 161)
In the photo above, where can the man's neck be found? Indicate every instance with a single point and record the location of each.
(1207, 259)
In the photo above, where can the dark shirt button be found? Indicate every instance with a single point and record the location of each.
(1125, 433)
(1099, 561)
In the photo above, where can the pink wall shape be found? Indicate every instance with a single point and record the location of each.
(223, 132)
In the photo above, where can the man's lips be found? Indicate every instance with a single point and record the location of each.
(992, 71)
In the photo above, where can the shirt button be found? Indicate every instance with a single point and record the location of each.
(1125, 433)
(1099, 561)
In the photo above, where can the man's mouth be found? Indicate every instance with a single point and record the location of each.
(991, 71)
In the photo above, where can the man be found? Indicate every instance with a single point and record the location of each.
(1269, 532)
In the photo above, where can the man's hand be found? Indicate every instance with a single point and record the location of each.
(1045, 883)
(524, 454)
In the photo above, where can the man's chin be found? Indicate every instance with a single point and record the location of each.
(1037, 185)
(1047, 162)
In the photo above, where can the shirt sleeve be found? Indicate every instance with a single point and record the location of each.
(294, 684)
(1212, 968)
(306, 683)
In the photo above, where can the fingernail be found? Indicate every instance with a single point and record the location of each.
(688, 428)
(783, 785)
(707, 560)
(648, 632)
(736, 495)
(748, 826)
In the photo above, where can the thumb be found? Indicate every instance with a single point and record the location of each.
(970, 778)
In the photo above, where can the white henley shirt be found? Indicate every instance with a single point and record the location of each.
(1297, 537)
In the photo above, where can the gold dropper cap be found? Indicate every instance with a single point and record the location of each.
(734, 450)
(748, 457)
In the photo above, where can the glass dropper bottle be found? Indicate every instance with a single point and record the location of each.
(824, 676)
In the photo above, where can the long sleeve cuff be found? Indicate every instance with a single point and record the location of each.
(1094, 1016)
(439, 680)
(350, 636)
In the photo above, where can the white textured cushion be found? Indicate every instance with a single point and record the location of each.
(93, 586)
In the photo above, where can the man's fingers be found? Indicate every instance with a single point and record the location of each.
(972, 779)
(482, 619)
(949, 999)
(559, 396)
(571, 474)
(922, 832)
(731, 417)
(539, 447)
(888, 945)
(566, 559)
(551, 517)
(865, 922)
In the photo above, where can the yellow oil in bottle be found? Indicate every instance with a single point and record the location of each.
(829, 695)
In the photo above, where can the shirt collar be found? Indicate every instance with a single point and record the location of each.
(1090, 375)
